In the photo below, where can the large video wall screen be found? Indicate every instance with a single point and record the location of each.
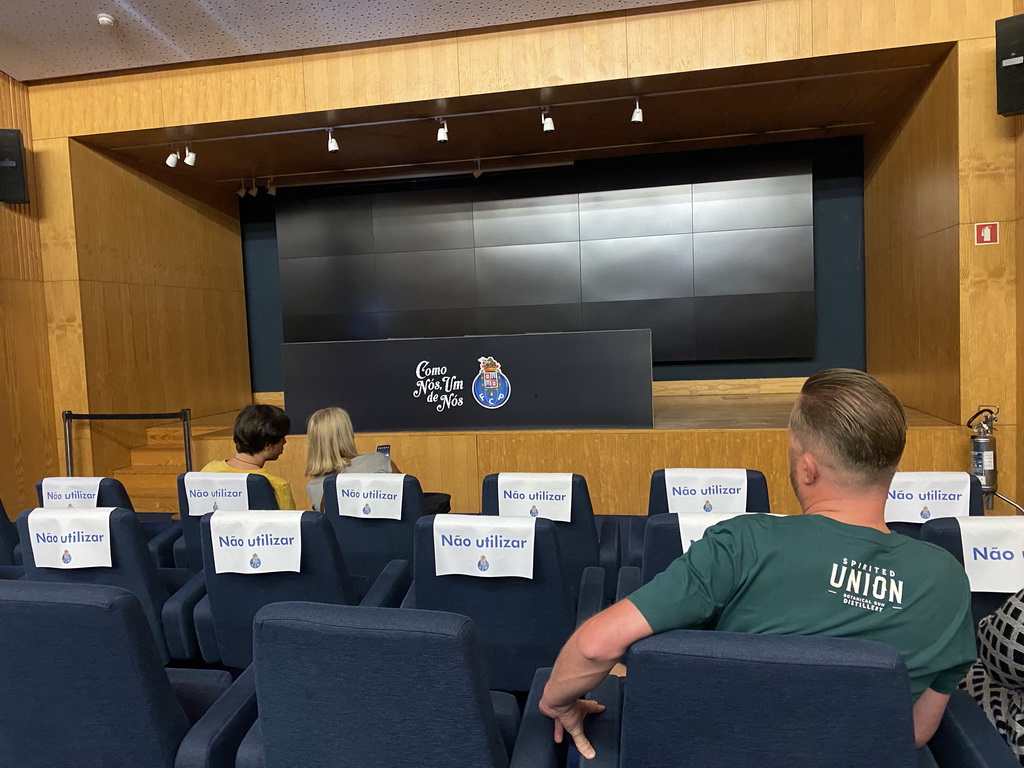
(718, 270)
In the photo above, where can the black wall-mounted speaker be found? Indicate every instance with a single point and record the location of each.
(1010, 65)
(13, 186)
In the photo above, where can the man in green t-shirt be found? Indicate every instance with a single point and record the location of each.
(834, 571)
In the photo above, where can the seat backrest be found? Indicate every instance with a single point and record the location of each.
(757, 493)
(369, 545)
(662, 545)
(8, 538)
(945, 532)
(261, 496)
(974, 507)
(132, 568)
(112, 493)
(235, 598)
(577, 539)
(725, 699)
(521, 623)
(83, 680)
(372, 687)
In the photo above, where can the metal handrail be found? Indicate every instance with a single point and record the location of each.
(185, 415)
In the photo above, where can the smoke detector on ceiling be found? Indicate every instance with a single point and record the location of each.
(105, 19)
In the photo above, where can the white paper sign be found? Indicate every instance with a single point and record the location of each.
(256, 541)
(692, 526)
(374, 496)
(70, 538)
(706, 491)
(541, 494)
(75, 492)
(474, 545)
(993, 553)
(214, 491)
(918, 496)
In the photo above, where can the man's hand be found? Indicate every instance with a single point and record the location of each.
(569, 720)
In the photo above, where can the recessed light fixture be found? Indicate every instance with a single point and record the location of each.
(105, 20)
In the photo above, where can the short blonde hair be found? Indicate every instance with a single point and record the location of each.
(856, 420)
(330, 443)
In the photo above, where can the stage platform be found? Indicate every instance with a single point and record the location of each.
(723, 430)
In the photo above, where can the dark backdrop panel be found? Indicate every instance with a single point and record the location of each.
(637, 268)
(425, 280)
(754, 326)
(528, 275)
(636, 212)
(428, 220)
(745, 261)
(567, 380)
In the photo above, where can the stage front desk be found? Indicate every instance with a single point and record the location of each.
(589, 379)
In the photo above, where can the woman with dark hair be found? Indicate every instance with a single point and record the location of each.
(259, 437)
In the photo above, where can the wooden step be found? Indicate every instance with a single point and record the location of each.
(172, 435)
(151, 488)
(159, 455)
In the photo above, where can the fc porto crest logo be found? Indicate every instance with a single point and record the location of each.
(255, 562)
(925, 513)
(482, 564)
(366, 509)
(66, 557)
(491, 387)
(534, 512)
(707, 505)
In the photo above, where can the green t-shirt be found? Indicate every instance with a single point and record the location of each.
(811, 575)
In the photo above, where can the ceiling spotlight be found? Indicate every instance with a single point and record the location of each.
(546, 123)
(105, 19)
(271, 189)
(241, 190)
(442, 132)
(190, 157)
(638, 114)
(254, 191)
(172, 159)
(332, 143)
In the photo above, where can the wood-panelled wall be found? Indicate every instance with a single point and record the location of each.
(162, 302)
(27, 431)
(617, 463)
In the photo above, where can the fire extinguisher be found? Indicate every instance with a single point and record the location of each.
(983, 453)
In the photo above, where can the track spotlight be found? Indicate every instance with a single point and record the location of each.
(241, 190)
(332, 143)
(253, 191)
(172, 159)
(190, 157)
(442, 133)
(546, 123)
(271, 189)
(638, 114)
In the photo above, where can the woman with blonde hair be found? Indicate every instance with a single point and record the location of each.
(331, 449)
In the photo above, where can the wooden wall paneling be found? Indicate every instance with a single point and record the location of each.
(381, 74)
(542, 55)
(785, 386)
(56, 209)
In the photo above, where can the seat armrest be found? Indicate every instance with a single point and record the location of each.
(637, 526)
(177, 616)
(535, 744)
(507, 718)
(161, 546)
(180, 552)
(603, 730)
(609, 558)
(629, 582)
(591, 599)
(966, 739)
(409, 601)
(214, 740)
(197, 689)
(17, 554)
(925, 758)
(390, 587)
(205, 633)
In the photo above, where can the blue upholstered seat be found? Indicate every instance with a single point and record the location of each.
(168, 595)
(369, 545)
(85, 687)
(945, 532)
(582, 541)
(188, 550)
(974, 507)
(720, 700)
(373, 688)
(224, 617)
(521, 623)
(159, 527)
(8, 541)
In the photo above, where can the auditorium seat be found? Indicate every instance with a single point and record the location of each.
(723, 699)
(374, 688)
(583, 542)
(224, 617)
(160, 528)
(368, 545)
(632, 527)
(10, 551)
(521, 623)
(168, 595)
(84, 686)
(945, 532)
(975, 507)
(188, 549)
